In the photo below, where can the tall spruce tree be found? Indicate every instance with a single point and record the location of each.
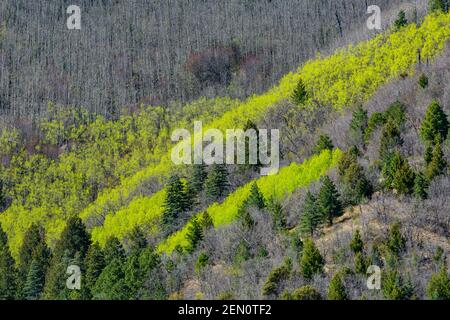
(299, 95)
(401, 20)
(311, 261)
(74, 238)
(8, 275)
(175, 202)
(438, 165)
(94, 263)
(435, 124)
(336, 289)
(194, 235)
(311, 215)
(359, 124)
(328, 201)
(113, 250)
(217, 182)
(256, 198)
(35, 280)
(421, 186)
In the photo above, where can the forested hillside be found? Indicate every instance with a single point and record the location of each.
(88, 180)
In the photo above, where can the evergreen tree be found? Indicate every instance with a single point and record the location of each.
(401, 20)
(394, 287)
(256, 198)
(324, 143)
(361, 263)
(276, 276)
(278, 214)
(336, 290)
(356, 186)
(202, 262)
(423, 81)
(306, 293)
(111, 283)
(390, 140)
(175, 202)
(328, 201)
(194, 235)
(439, 286)
(311, 261)
(206, 221)
(439, 5)
(403, 179)
(217, 184)
(438, 165)
(311, 214)
(396, 241)
(34, 283)
(357, 245)
(74, 238)
(8, 284)
(300, 95)
(113, 250)
(435, 125)
(197, 181)
(136, 240)
(250, 125)
(421, 187)
(94, 264)
(55, 280)
(244, 216)
(359, 124)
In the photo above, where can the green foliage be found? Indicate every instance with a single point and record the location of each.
(206, 221)
(438, 5)
(198, 178)
(278, 215)
(361, 263)
(311, 261)
(328, 200)
(94, 264)
(202, 262)
(113, 250)
(336, 289)
(74, 239)
(435, 124)
(311, 215)
(359, 124)
(403, 179)
(394, 287)
(256, 198)
(357, 245)
(194, 235)
(439, 286)
(136, 240)
(8, 274)
(396, 242)
(401, 20)
(176, 201)
(356, 186)
(276, 276)
(421, 186)
(299, 95)
(111, 282)
(35, 279)
(217, 184)
(438, 164)
(306, 293)
(423, 81)
(324, 143)
(242, 253)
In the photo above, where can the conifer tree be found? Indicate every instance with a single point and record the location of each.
(206, 221)
(439, 5)
(423, 81)
(324, 143)
(256, 198)
(113, 250)
(194, 235)
(175, 202)
(311, 214)
(306, 293)
(311, 261)
(217, 184)
(336, 290)
(435, 125)
(136, 240)
(198, 178)
(394, 287)
(8, 280)
(328, 201)
(421, 187)
(74, 238)
(438, 165)
(111, 284)
(401, 20)
(300, 95)
(359, 124)
(355, 184)
(361, 263)
(403, 179)
(34, 283)
(439, 285)
(278, 214)
(244, 216)
(390, 140)
(357, 245)
(396, 241)
(94, 263)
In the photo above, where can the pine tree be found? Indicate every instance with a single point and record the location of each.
(361, 263)
(55, 280)
(336, 290)
(306, 293)
(74, 238)
(311, 215)
(394, 287)
(324, 143)
(113, 250)
(439, 286)
(403, 179)
(217, 184)
(202, 262)
(136, 240)
(396, 241)
(194, 235)
(34, 283)
(244, 216)
(256, 198)
(175, 202)
(328, 200)
(94, 264)
(250, 125)
(198, 178)
(438, 165)
(357, 245)
(311, 261)
(300, 95)
(359, 124)
(111, 284)
(401, 20)
(435, 125)
(356, 186)
(206, 221)
(278, 214)
(390, 140)
(421, 187)
(423, 81)
(8, 280)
